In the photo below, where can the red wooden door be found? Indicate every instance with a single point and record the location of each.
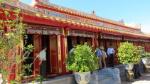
(53, 55)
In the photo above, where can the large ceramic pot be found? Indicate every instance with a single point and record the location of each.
(82, 77)
(146, 60)
(129, 73)
(129, 66)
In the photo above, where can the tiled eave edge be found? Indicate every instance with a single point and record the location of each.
(31, 17)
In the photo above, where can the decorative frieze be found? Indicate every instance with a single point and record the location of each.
(109, 36)
(136, 39)
(44, 30)
(80, 33)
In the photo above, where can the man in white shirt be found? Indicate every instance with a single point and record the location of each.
(111, 53)
(42, 57)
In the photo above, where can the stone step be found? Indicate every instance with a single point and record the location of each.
(68, 79)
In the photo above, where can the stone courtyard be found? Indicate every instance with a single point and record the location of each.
(144, 79)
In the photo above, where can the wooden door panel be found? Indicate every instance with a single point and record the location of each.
(53, 54)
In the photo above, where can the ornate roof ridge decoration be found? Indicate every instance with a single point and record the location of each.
(84, 14)
(28, 10)
(41, 13)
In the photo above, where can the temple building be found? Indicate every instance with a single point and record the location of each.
(58, 28)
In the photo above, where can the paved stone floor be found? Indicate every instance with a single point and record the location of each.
(144, 79)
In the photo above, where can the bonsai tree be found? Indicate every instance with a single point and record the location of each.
(128, 53)
(82, 59)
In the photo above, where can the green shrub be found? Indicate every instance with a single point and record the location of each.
(143, 53)
(128, 53)
(146, 55)
(82, 59)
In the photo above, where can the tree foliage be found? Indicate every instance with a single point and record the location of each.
(82, 59)
(128, 53)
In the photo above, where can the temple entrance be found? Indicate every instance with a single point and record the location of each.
(46, 47)
(106, 43)
(50, 66)
(46, 40)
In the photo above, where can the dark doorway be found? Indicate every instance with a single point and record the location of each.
(69, 41)
(78, 40)
(45, 66)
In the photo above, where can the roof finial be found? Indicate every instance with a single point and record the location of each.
(121, 21)
(93, 12)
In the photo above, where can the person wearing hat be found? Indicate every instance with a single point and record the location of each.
(104, 56)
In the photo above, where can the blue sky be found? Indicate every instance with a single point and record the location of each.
(131, 11)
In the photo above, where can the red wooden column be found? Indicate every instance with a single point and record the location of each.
(37, 49)
(149, 47)
(59, 54)
(64, 51)
(95, 42)
(144, 46)
(116, 56)
(114, 44)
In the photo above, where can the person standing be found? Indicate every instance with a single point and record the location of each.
(42, 57)
(98, 53)
(104, 56)
(111, 53)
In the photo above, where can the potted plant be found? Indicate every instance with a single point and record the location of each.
(146, 58)
(146, 61)
(81, 61)
(128, 54)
